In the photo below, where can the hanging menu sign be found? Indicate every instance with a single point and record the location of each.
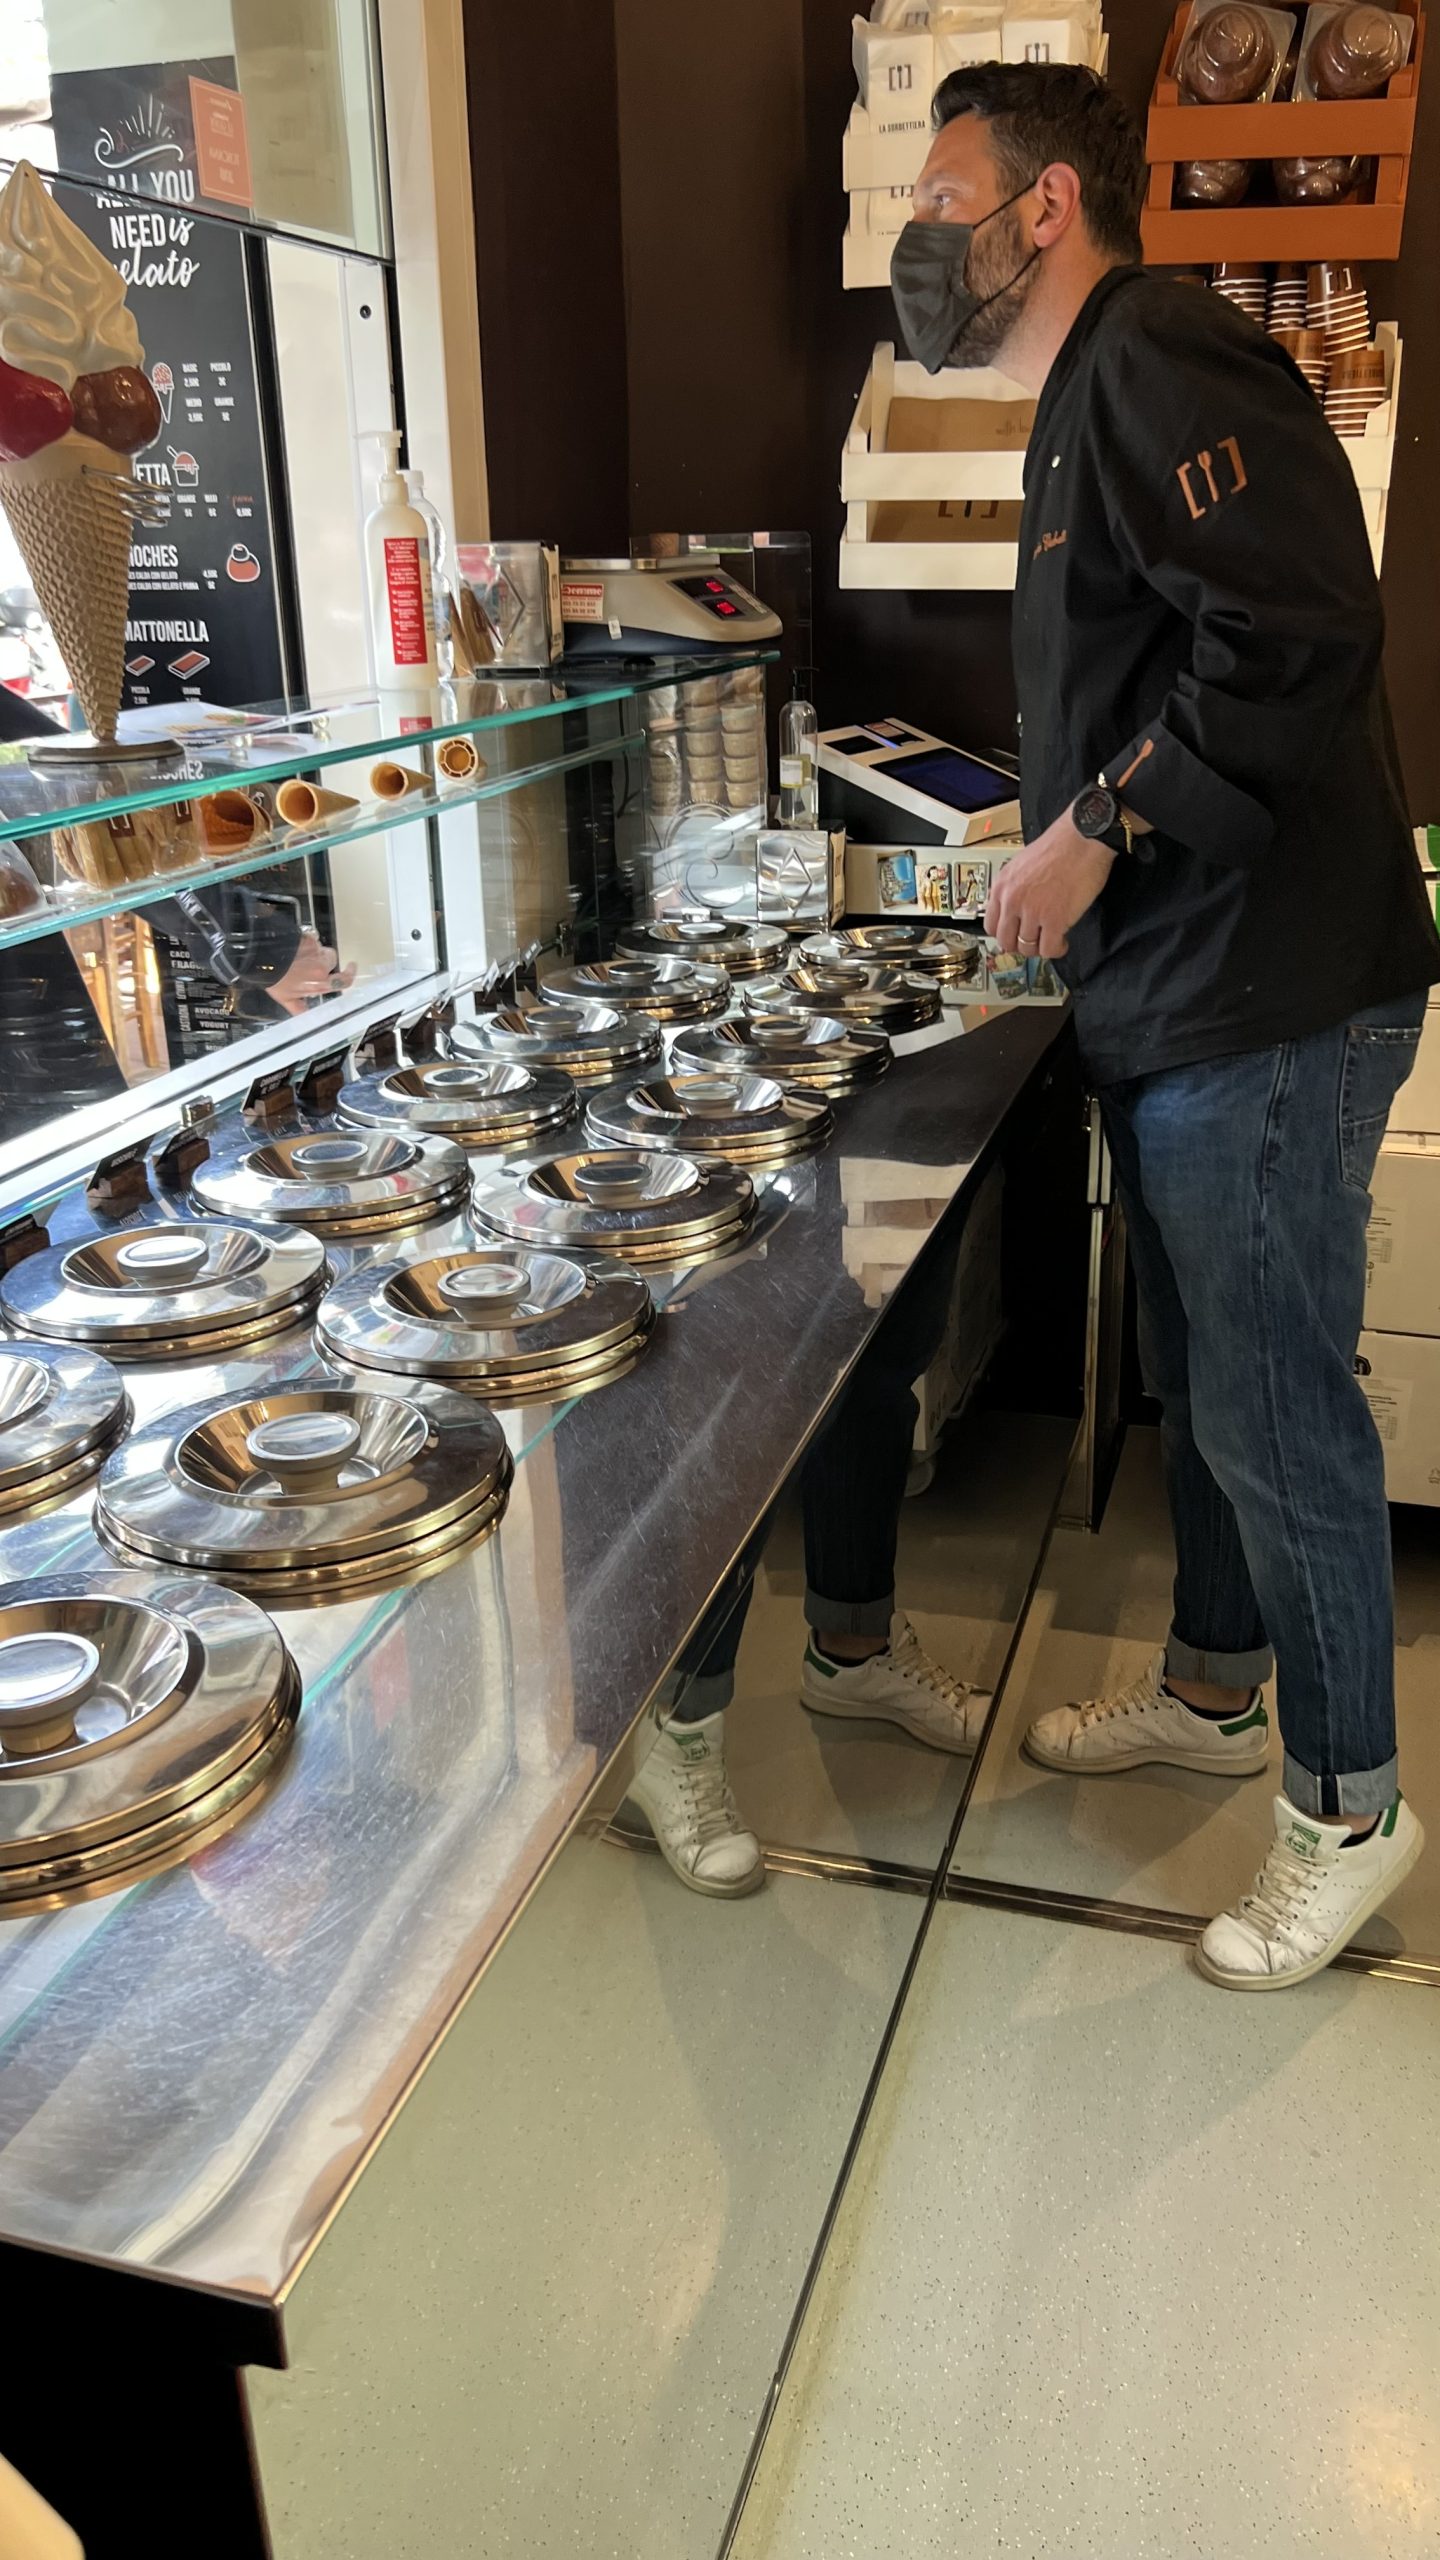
(170, 130)
(204, 620)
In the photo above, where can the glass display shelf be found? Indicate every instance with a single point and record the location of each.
(271, 743)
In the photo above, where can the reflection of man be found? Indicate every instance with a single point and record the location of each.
(1197, 638)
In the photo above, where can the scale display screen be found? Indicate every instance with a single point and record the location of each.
(956, 780)
(716, 595)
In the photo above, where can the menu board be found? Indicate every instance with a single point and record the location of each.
(173, 131)
(204, 619)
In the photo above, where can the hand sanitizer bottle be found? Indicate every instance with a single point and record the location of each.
(397, 568)
(439, 570)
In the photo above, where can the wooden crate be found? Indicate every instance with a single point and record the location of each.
(1382, 129)
(933, 516)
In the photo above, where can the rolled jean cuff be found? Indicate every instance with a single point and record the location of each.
(1218, 1670)
(849, 1617)
(708, 1694)
(1357, 1791)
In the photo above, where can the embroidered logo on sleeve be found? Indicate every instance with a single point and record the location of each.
(1051, 541)
(1208, 479)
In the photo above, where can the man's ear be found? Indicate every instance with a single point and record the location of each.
(1058, 189)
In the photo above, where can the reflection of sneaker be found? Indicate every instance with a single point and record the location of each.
(1310, 1897)
(684, 1794)
(1144, 1727)
(904, 1686)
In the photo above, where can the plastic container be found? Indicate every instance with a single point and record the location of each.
(397, 568)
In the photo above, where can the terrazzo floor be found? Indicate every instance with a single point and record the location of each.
(1129, 2268)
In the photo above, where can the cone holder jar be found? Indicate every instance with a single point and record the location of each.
(1381, 129)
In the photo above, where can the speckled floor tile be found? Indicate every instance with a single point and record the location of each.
(1131, 2269)
(546, 2320)
(967, 1549)
(1162, 1837)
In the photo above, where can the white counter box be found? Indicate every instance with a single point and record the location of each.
(1417, 1104)
(1400, 1374)
(895, 74)
(1403, 1284)
(874, 159)
(932, 476)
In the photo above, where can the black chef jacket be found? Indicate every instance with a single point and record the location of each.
(1197, 618)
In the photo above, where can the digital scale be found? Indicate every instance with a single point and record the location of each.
(891, 784)
(659, 608)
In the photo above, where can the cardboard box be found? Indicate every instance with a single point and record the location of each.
(1417, 1104)
(933, 483)
(881, 213)
(1400, 1374)
(895, 74)
(874, 159)
(1402, 1292)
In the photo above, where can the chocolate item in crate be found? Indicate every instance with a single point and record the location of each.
(20, 891)
(1231, 53)
(1212, 182)
(1328, 180)
(1353, 51)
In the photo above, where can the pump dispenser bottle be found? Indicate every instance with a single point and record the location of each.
(397, 566)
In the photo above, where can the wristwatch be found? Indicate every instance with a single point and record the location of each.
(1096, 814)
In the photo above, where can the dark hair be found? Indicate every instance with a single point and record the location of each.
(1043, 111)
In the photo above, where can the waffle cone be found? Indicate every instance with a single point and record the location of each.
(73, 535)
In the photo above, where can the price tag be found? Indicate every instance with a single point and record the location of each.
(20, 1239)
(270, 1097)
(377, 1045)
(178, 1157)
(119, 1180)
(320, 1081)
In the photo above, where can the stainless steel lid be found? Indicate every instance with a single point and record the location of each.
(494, 1102)
(669, 990)
(739, 949)
(338, 1181)
(747, 1119)
(60, 1410)
(501, 1319)
(138, 1711)
(644, 1207)
(850, 990)
(950, 957)
(308, 1489)
(592, 1043)
(175, 1285)
(809, 1049)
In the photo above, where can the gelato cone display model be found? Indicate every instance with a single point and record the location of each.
(489, 1105)
(645, 1208)
(852, 991)
(746, 1119)
(668, 990)
(807, 1050)
(174, 1289)
(950, 957)
(339, 1182)
(591, 1043)
(139, 1714)
(61, 1412)
(308, 1492)
(741, 950)
(502, 1322)
(75, 405)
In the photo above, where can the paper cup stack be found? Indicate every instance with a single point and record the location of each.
(1287, 306)
(1357, 385)
(1337, 303)
(1307, 349)
(1245, 286)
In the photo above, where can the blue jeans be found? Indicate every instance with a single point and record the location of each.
(1245, 1185)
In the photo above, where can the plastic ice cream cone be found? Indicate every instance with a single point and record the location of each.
(302, 804)
(71, 510)
(396, 781)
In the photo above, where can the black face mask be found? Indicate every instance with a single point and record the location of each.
(933, 303)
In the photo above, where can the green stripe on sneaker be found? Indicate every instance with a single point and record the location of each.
(817, 1662)
(1244, 1724)
(1391, 1818)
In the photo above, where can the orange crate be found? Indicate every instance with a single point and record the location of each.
(1382, 129)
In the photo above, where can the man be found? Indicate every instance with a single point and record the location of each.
(863, 1659)
(1206, 767)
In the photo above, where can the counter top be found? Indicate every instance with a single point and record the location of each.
(193, 2071)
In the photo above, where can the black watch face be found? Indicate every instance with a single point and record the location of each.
(1094, 809)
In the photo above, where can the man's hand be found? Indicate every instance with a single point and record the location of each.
(311, 973)
(1041, 892)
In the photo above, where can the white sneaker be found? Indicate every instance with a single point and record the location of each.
(1311, 1896)
(1144, 1727)
(904, 1685)
(685, 1796)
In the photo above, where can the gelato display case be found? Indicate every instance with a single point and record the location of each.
(387, 1398)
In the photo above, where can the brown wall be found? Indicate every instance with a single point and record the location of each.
(690, 247)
